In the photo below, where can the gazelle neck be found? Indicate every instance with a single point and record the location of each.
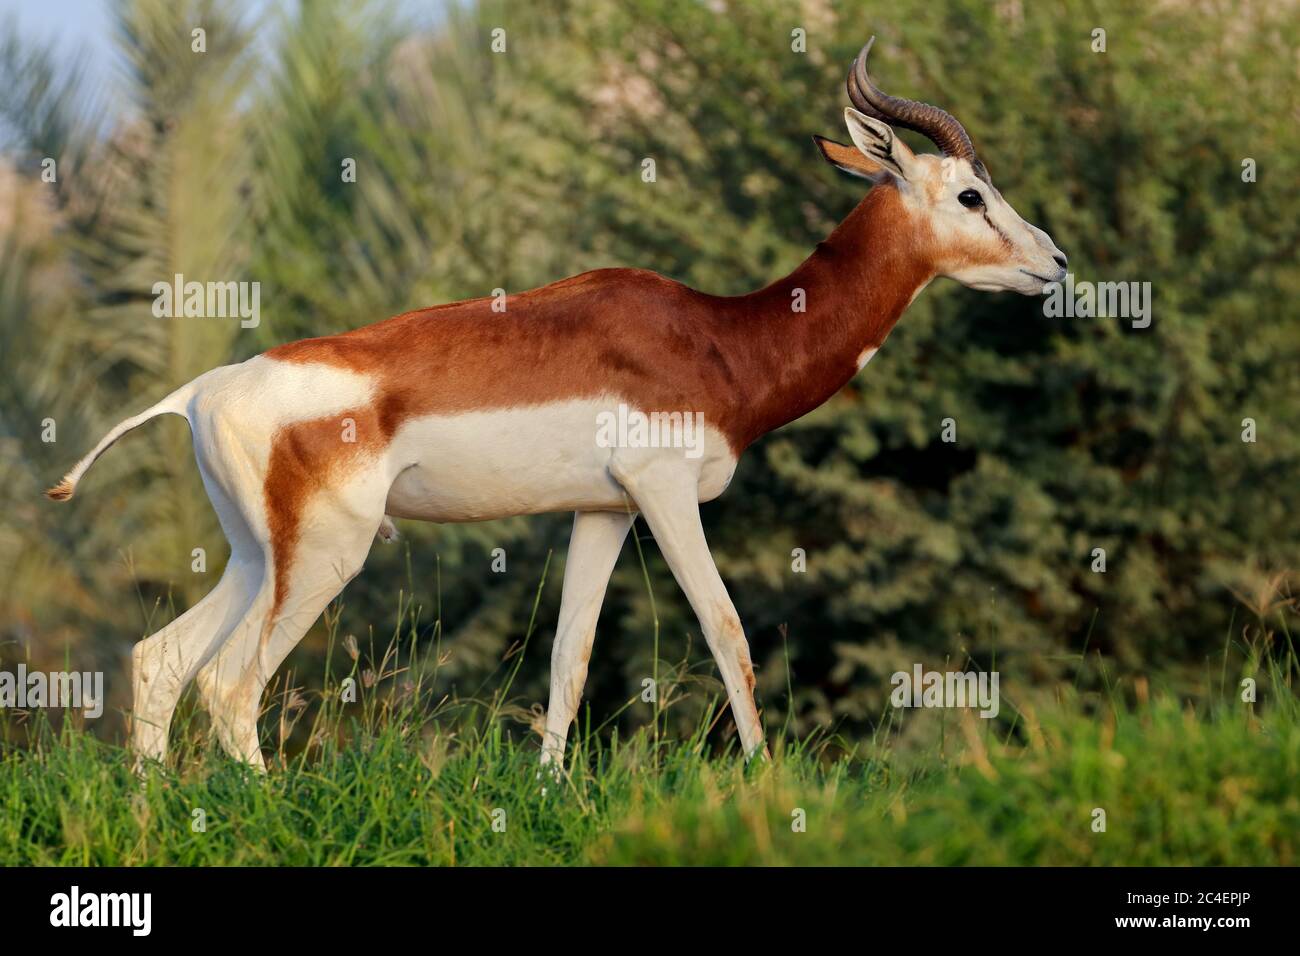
(855, 286)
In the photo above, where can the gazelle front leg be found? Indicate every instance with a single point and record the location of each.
(666, 492)
(594, 546)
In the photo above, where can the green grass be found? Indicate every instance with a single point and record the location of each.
(1178, 787)
(402, 776)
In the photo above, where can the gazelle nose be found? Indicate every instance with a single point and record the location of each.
(1060, 259)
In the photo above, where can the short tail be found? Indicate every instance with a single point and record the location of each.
(173, 404)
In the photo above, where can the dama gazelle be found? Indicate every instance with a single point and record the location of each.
(463, 413)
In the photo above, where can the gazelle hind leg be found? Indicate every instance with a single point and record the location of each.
(665, 493)
(330, 552)
(162, 664)
(220, 674)
(165, 662)
(594, 547)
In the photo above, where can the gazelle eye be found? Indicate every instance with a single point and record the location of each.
(970, 198)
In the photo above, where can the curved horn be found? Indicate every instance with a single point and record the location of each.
(939, 126)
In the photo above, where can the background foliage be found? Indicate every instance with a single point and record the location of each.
(478, 170)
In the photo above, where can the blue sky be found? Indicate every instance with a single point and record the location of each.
(75, 27)
(85, 29)
(60, 19)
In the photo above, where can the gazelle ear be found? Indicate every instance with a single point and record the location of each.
(850, 159)
(876, 141)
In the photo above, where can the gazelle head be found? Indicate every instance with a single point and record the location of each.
(962, 222)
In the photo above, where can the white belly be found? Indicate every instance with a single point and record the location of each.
(475, 466)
